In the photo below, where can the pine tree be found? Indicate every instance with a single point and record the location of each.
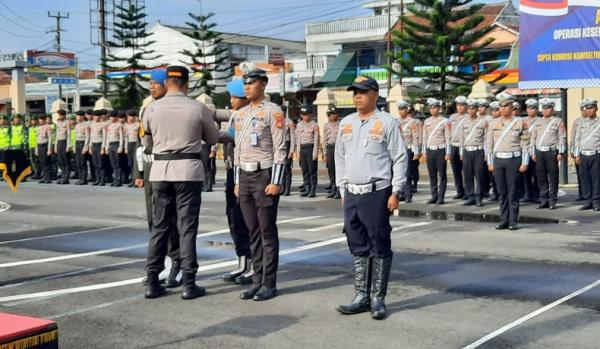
(438, 40)
(132, 40)
(209, 58)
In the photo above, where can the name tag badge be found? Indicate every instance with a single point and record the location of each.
(254, 139)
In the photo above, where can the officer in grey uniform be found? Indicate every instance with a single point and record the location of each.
(531, 187)
(410, 130)
(290, 145)
(307, 145)
(260, 163)
(576, 125)
(114, 143)
(471, 138)
(548, 147)
(330, 131)
(371, 163)
(176, 175)
(82, 146)
(62, 145)
(587, 155)
(508, 156)
(456, 121)
(436, 148)
(489, 181)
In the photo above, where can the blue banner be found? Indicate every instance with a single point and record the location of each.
(559, 44)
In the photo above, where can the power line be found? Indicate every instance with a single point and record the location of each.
(21, 18)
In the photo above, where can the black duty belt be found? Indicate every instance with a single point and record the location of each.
(330, 145)
(178, 156)
(306, 145)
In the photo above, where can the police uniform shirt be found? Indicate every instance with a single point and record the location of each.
(132, 131)
(63, 130)
(290, 134)
(330, 131)
(178, 124)
(516, 139)
(97, 132)
(436, 135)
(473, 133)
(260, 137)
(548, 133)
(576, 125)
(588, 136)
(456, 121)
(114, 133)
(410, 130)
(369, 151)
(82, 134)
(44, 134)
(308, 133)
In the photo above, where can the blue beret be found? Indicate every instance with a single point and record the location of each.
(236, 88)
(159, 76)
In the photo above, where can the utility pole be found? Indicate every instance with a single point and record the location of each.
(102, 28)
(389, 46)
(58, 30)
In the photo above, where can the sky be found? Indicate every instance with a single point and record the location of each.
(25, 22)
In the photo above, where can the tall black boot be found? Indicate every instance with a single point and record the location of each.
(241, 268)
(190, 289)
(306, 191)
(117, 178)
(102, 180)
(381, 276)
(362, 285)
(246, 277)
(313, 189)
(332, 191)
(337, 195)
(66, 175)
(153, 287)
(171, 280)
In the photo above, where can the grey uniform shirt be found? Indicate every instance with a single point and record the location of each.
(472, 133)
(63, 130)
(410, 130)
(516, 139)
(114, 134)
(330, 131)
(548, 132)
(178, 124)
(82, 134)
(588, 136)
(44, 135)
(576, 125)
(369, 151)
(308, 133)
(456, 122)
(436, 133)
(97, 132)
(132, 132)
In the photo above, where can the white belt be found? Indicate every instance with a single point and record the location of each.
(361, 189)
(545, 148)
(457, 144)
(255, 166)
(590, 152)
(508, 155)
(479, 147)
(437, 147)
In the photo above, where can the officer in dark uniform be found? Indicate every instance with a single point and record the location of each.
(176, 175)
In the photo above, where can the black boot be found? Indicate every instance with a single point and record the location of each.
(66, 175)
(190, 289)
(171, 280)
(102, 180)
(362, 285)
(313, 190)
(246, 277)
(307, 188)
(241, 268)
(332, 191)
(337, 194)
(117, 181)
(153, 287)
(381, 276)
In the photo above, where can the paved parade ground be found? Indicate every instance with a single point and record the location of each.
(76, 255)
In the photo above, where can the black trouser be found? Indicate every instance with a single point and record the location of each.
(260, 214)
(590, 180)
(113, 153)
(415, 173)
(475, 172)
(89, 160)
(97, 161)
(44, 160)
(206, 163)
(124, 165)
(213, 169)
(367, 224)
(531, 185)
(131, 150)
(80, 161)
(63, 159)
(173, 242)
(287, 176)
(237, 227)
(182, 199)
(330, 150)
(436, 163)
(506, 174)
(547, 174)
(308, 165)
(107, 167)
(407, 189)
(457, 170)
(579, 190)
(34, 160)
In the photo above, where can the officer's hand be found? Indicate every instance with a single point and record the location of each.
(49, 152)
(139, 182)
(392, 203)
(69, 149)
(559, 157)
(491, 168)
(291, 156)
(523, 168)
(272, 190)
(212, 155)
(447, 157)
(462, 158)
(120, 151)
(236, 190)
(36, 152)
(533, 157)
(578, 160)
(125, 151)
(416, 157)
(424, 157)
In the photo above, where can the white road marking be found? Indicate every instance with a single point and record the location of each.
(325, 227)
(67, 234)
(29, 215)
(413, 225)
(531, 315)
(95, 307)
(20, 229)
(4, 206)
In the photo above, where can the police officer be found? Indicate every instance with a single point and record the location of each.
(82, 146)
(32, 134)
(89, 117)
(530, 179)
(436, 148)
(62, 145)
(307, 145)
(587, 155)
(488, 178)
(5, 137)
(576, 126)
(410, 130)
(371, 162)
(290, 145)
(456, 121)
(106, 164)
(176, 175)
(260, 161)
(415, 162)
(18, 133)
(132, 130)
(43, 150)
(114, 144)
(508, 154)
(97, 140)
(548, 147)
(330, 131)
(472, 141)
(141, 173)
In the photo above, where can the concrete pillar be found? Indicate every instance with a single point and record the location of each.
(17, 91)
(206, 99)
(325, 98)
(56, 106)
(103, 103)
(481, 89)
(398, 92)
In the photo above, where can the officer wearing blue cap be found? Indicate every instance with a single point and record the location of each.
(371, 162)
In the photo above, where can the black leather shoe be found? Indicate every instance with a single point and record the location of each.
(441, 202)
(408, 200)
(243, 279)
(265, 293)
(579, 198)
(552, 206)
(470, 202)
(250, 291)
(192, 291)
(502, 226)
(153, 287)
(432, 201)
(494, 198)
(585, 207)
(171, 280)
(596, 209)
(478, 203)
(544, 204)
(458, 197)
(513, 227)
